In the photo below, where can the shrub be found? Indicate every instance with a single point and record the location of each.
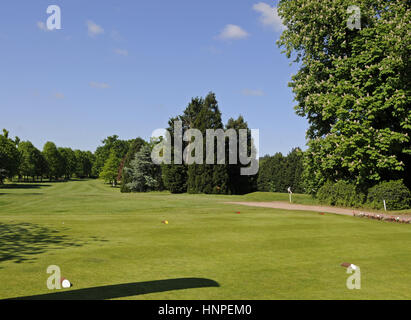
(341, 193)
(394, 192)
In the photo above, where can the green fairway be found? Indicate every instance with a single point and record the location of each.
(101, 237)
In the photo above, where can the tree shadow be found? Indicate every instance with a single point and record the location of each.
(24, 194)
(125, 289)
(23, 186)
(19, 242)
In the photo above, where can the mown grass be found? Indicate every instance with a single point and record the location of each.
(100, 237)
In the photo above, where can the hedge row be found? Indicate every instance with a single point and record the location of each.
(342, 193)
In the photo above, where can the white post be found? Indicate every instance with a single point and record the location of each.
(385, 206)
(290, 192)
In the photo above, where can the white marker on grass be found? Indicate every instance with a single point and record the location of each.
(65, 283)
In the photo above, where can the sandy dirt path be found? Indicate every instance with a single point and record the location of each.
(290, 206)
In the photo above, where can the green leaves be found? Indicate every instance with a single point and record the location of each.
(9, 156)
(54, 160)
(352, 87)
(277, 172)
(110, 170)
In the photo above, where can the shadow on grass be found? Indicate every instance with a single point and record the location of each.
(23, 194)
(125, 290)
(19, 242)
(23, 185)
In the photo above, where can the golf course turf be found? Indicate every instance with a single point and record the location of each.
(114, 245)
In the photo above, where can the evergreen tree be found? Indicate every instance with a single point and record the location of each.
(142, 171)
(204, 114)
(277, 172)
(271, 175)
(240, 184)
(135, 146)
(264, 174)
(174, 175)
(189, 120)
(294, 169)
(208, 178)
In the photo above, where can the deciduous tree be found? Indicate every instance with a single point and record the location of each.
(353, 86)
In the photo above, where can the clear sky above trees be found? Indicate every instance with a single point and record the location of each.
(123, 67)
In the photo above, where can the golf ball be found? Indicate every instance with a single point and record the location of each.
(65, 283)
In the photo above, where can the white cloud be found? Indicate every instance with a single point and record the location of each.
(99, 85)
(42, 26)
(93, 29)
(121, 52)
(232, 31)
(269, 16)
(253, 92)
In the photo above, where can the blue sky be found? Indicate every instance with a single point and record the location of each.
(125, 67)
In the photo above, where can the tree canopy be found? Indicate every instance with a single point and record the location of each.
(353, 86)
(110, 169)
(9, 156)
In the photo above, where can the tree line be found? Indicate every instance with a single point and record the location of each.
(129, 163)
(23, 160)
(138, 173)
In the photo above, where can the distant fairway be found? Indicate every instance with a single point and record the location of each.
(100, 237)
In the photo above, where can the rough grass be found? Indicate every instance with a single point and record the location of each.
(100, 237)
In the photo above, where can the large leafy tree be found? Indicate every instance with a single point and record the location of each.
(111, 143)
(88, 163)
(83, 164)
(28, 159)
(353, 86)
(9, 156)
(32, 161)
(41, 165)
(69, 161)
(54, 160)
(110, 170)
